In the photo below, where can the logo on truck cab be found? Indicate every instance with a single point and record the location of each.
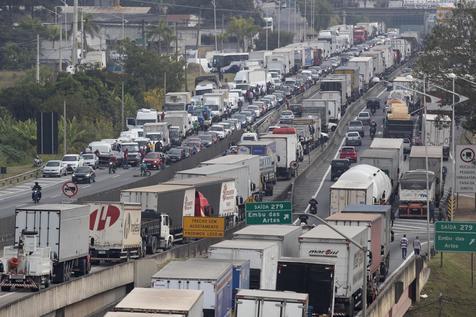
(105, 215)
(328, 253)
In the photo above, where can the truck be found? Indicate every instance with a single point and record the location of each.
(216, 103)
(213, 278)
(361, 184)
(414, 194)
(378, 246)
(51, 244)
(387, 54)
(437, 132)
(263, 257)
(417, 160)
(252, 78)
(260, 57)
(264, 303)
(308, 130)
(286, 56)
(398, 122)
(378, 62)
(353, 76)
(259, 172)
(339, 82)
(366, 69)
(310, 276)
(386, 160)
(143, 115)
(158, 132)
(336, 107)
(324, 243)
(177, 101)
(169, 203)
(162, 302)
(395, 145)
(277, 64)
(266, 150)
(133, 152)
(107, 151)
(322, 108)
(285, 235)
(360, 35)
(179, 126)
(286, 148)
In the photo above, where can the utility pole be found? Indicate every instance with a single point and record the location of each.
(176, 42)
(37, 58)
(123, 29)
(64, 127)
(222, 31)
(426, 172)
(75, 34)
(453, 147)
(344, 17)
(289, 14)
(305, 19)
(266, 37)
(60, 65)
(83, 37)
(279, 23)
(215, 23)
(143, 35)
(122, 105)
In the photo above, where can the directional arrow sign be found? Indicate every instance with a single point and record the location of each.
(268, 213)
(455, 236)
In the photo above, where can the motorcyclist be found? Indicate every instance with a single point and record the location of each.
(37, 188)
(37, 161)
(143, 168)
(373, 127)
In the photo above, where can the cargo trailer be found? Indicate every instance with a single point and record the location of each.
(264, 303)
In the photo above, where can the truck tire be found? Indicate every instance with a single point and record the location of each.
(47, 282)
(152, 245)
(58, 273)
(82, 266)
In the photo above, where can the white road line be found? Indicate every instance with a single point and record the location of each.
(381, 93)
(116, 176)
(7, 294)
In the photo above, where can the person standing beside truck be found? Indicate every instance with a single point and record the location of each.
(416, 246)
(404, 246)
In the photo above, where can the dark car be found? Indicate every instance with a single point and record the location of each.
(84, 174)
(373, 103)
(208, 139)
(338, 167)
(189, 150)
(195, 143)
(154, 160)
(176, 154)
(296, 109)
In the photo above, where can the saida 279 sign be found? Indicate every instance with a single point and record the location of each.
(269, 213)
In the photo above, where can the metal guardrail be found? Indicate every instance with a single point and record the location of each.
(12, 180)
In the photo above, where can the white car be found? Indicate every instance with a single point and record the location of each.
(249, 136)
(256, 109)
(219, 130)
(286, 115)
(71, 162)
(54, 168)
(90, 159)
(227, 127)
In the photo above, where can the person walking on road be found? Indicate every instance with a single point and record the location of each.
(416, 246)
(404, 246)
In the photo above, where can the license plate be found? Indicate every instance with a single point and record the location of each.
(101, 252)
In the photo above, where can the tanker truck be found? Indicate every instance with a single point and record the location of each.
(361, 184)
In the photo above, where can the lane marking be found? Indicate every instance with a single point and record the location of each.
(381, 93)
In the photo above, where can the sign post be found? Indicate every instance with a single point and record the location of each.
(455, 236)
(269, 213)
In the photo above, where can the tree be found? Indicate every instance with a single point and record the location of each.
(285, 39)
(323, 13)
(451, 48)
(242, 29)
(90, 27)
(162, 35)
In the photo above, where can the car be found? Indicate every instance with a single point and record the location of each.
(241, 118)
(176, 154)
(54, 168)
(373, 102)
(190, 150)
(297, 109)
(207, 139)
(90, 159)
(84, 174)
(256, 109)
(407, 146)
(250, 115)
(227, 127)
(348, 152)
(235, 122)
(71, 162)
(249, 136)
(154, 160)
(338, 167)
(356, 125)
(364, 116)
(196, 143)
(353, 138)
(219, 130)
(286, 116)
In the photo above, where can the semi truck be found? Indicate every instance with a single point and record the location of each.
(417, 160)
(328, 110)
(308, 129)
(398, 122)
(361, 184)
(158, 132)
(177, 101)
(264, 303)
(313, 276)
(51, 244)
(286, 148)
(179, 125)
(285, 235)
(321, 242)
(161, 302)
(414, 194)
(332, 83)
(437, 132)
(353, 73)
(366, 69)
(335, 106)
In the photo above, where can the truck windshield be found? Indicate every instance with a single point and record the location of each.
(154, 136)
(130, 147)
(141, 122)
(174, 133)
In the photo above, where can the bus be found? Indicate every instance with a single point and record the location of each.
(221, 60)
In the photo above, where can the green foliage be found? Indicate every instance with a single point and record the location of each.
(161, 36)
(243, 29)
(17, 139)
(285, 39)
(323, 13)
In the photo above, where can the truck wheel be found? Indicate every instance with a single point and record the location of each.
(58, 272)
(82, 267)
(47, 282)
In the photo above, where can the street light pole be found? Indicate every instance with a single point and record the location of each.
(426, 172)
(279, 23)
(215, 23)
(453, 146)
(364, 248)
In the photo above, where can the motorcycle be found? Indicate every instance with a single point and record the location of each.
(144, 170)
(112, 168)
(373, 130)
(37, 162)
(36, 196)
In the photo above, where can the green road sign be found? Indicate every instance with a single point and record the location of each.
(455, 236)
(268, 213)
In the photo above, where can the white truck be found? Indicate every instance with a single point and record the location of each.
(308, 125)
(161, 302)
(51, 244)
(396, 146)
(179, 126)
(361, 184)
(435, 163)
(379, 63)
(143, 115)
(259, 56)
(264, 303)
(158, 132)
(177, 101)
(324, 243)
(386, 160)
(413, 193)
(251, 77)
(286, 56)
(263, 257)
(338, 82)
(366, 69)
(333, 100)
(437, 131)
(286, 148)
(107, 151)
(216, 103)
(285, 235)
(324, 109)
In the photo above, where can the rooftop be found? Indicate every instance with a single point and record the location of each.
(196, 270)
(268, 230)
(324, 232)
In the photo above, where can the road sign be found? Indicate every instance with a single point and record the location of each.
(269, 213)
(455, 236)
(203, 227)
(70, 189)
(466, 168)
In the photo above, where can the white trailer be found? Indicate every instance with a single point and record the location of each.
(216, 103)
(392, 144)
(333, 102)
(177, 101)
(263, 303)
(263, 257)
(181, 120)
(323, 242)
(285, 235)
(361, 184)
(366, 69)
(386, 160)
(286, 148)
(437, 131)
(378, 62)
(170, 302)
(158, 132)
